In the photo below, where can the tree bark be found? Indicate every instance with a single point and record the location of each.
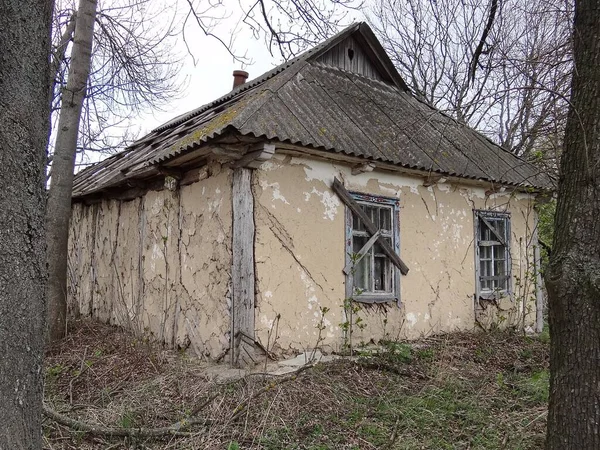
(63, 163)
(24, 115)
(574, 274)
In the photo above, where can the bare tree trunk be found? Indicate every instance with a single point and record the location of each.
(58, 212)
(574, 276)
(24, 115)
(58, 55)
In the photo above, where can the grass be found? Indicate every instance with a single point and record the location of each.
(457, 391)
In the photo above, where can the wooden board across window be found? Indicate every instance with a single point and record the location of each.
(345, 196)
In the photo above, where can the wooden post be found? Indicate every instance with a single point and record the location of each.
(539, 292)
(242, 273)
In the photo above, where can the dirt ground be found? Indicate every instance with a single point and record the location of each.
(107, 389)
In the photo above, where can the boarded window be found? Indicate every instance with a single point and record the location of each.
(493, 253)
(373, 275)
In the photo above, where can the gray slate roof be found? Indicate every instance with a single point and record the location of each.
(309, 103)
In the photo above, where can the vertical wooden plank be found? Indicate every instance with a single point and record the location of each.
(242, 271)
(476, 254)
(539, 293)
(360, 63)
(346, 59)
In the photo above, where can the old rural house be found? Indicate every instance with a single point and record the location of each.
(249, 222)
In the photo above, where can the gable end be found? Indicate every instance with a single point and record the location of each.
(349, 55)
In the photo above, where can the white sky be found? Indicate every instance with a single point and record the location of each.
(212, 75)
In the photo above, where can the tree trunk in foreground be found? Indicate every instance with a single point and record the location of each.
(58, 212)
(574, 275)
(24, 115)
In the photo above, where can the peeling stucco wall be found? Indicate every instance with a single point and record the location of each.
(300, 253)
(159, 264)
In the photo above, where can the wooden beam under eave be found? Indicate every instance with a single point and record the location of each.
(432, 179)
(363, 168)
(256, 156)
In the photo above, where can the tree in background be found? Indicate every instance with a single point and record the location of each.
(58, 209)
(501, 67)
(24, 113)
(120, 62)
(573, 278)
(133, 67)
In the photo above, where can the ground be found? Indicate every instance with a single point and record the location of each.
(455, 391)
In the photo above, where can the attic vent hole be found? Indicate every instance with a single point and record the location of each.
(350, 54)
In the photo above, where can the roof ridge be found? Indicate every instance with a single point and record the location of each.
(304, 56)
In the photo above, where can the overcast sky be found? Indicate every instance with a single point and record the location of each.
(212, 74)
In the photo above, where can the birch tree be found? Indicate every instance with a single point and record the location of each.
(24, 113)
(502, 67)
(107, 65)
(573, 282)
(58, 210)
(133, 68)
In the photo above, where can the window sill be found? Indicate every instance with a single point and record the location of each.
(373, 298)
(494, 295)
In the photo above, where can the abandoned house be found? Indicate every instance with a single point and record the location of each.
(248, 224)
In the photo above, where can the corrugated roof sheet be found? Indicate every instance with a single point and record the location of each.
(304, 102)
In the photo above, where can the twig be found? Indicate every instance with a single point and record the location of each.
(536, 419)
(82, 371)
(486, 31)
(82, 368)
(176, 429)
(394, 435)
(203, 405)
(293, 376)
(173, 430)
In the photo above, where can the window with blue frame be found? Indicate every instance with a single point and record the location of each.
(492, 230)
(373, 276)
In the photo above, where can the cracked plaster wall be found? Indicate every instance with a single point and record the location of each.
(300, 253)
(159, 264)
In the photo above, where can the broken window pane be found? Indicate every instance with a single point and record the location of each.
(485, 252)
(500, 228)
(362, 274)
(373, 214)
(385, 219)
(486, 269)
(379, 250)
(382, 273)
(358, 243)
(356, 223)
(499, 268)
(484, 231)
(501, 284)
(485, 285)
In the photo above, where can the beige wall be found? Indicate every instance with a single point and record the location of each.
(159, 264)
(300, 254)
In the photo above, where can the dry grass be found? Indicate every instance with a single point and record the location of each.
(463, 391)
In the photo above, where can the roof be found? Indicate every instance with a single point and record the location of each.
(311, 101)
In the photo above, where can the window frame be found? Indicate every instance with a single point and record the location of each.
(492, 294)
(374, 297)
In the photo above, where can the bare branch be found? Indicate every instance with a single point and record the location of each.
(486, 32)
